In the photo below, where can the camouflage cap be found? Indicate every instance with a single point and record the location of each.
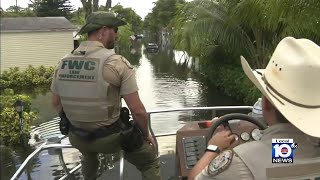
(101, 18)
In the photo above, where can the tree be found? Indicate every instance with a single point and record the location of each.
(87, 6)
(163, 11)
(95, 5)
(78, 17)
(108, 4)
(130, 16)
(151, 26)
(161, 16)
(251, 28)
(90, 6)
(43, 8)
(17, 11)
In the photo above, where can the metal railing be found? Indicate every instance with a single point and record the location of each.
(46, 146)
(42, 147)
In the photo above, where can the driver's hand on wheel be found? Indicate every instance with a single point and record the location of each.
(222, 139)
(221, 127)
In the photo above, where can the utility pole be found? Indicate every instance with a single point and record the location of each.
(16, 6)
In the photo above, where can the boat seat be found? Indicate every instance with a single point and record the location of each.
(301, 169)
(47, 130)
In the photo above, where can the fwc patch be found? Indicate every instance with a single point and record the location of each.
(220, 163)
(78, 69)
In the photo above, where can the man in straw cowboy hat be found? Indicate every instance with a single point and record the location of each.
(291, 107)
(88, 86)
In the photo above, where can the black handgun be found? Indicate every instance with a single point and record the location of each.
(133, 138)
(125, 117)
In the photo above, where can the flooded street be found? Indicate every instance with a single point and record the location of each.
(163, 84)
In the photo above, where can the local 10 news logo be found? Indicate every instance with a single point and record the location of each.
(282, 150)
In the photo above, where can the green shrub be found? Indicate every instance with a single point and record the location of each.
(227, 75)
(124, 37)
(10, 124)
(31, 77)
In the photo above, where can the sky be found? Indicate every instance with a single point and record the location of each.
(141, 7)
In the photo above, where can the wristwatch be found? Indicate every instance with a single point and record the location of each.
(213, 148)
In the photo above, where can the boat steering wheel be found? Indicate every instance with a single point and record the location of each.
(224, 120)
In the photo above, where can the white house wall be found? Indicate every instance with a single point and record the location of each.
(21, 49)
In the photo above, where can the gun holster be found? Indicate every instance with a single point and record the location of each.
(132, 136)
(64, 123)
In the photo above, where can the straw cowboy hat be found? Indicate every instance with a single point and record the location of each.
(291, 82)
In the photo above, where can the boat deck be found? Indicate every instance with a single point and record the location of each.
(167, 163)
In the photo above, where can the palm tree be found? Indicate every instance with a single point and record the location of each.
(247, 27)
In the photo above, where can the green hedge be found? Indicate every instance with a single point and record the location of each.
(10, 125)
(31, 77)
(13, 78)
(226, 74)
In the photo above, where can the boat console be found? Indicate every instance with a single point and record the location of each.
(191, 141)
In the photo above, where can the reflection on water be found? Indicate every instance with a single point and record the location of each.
(12, 158)
(42, 167)
(163, 83)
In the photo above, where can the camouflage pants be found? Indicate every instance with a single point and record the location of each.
(144, 158)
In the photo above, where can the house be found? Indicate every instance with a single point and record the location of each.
(34, 41)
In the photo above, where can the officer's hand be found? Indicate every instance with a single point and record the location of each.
(222, 139)
(151, 141)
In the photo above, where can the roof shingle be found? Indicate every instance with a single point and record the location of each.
(36, 24)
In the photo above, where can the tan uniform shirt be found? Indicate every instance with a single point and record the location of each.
(238, 169)
(118, 72)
